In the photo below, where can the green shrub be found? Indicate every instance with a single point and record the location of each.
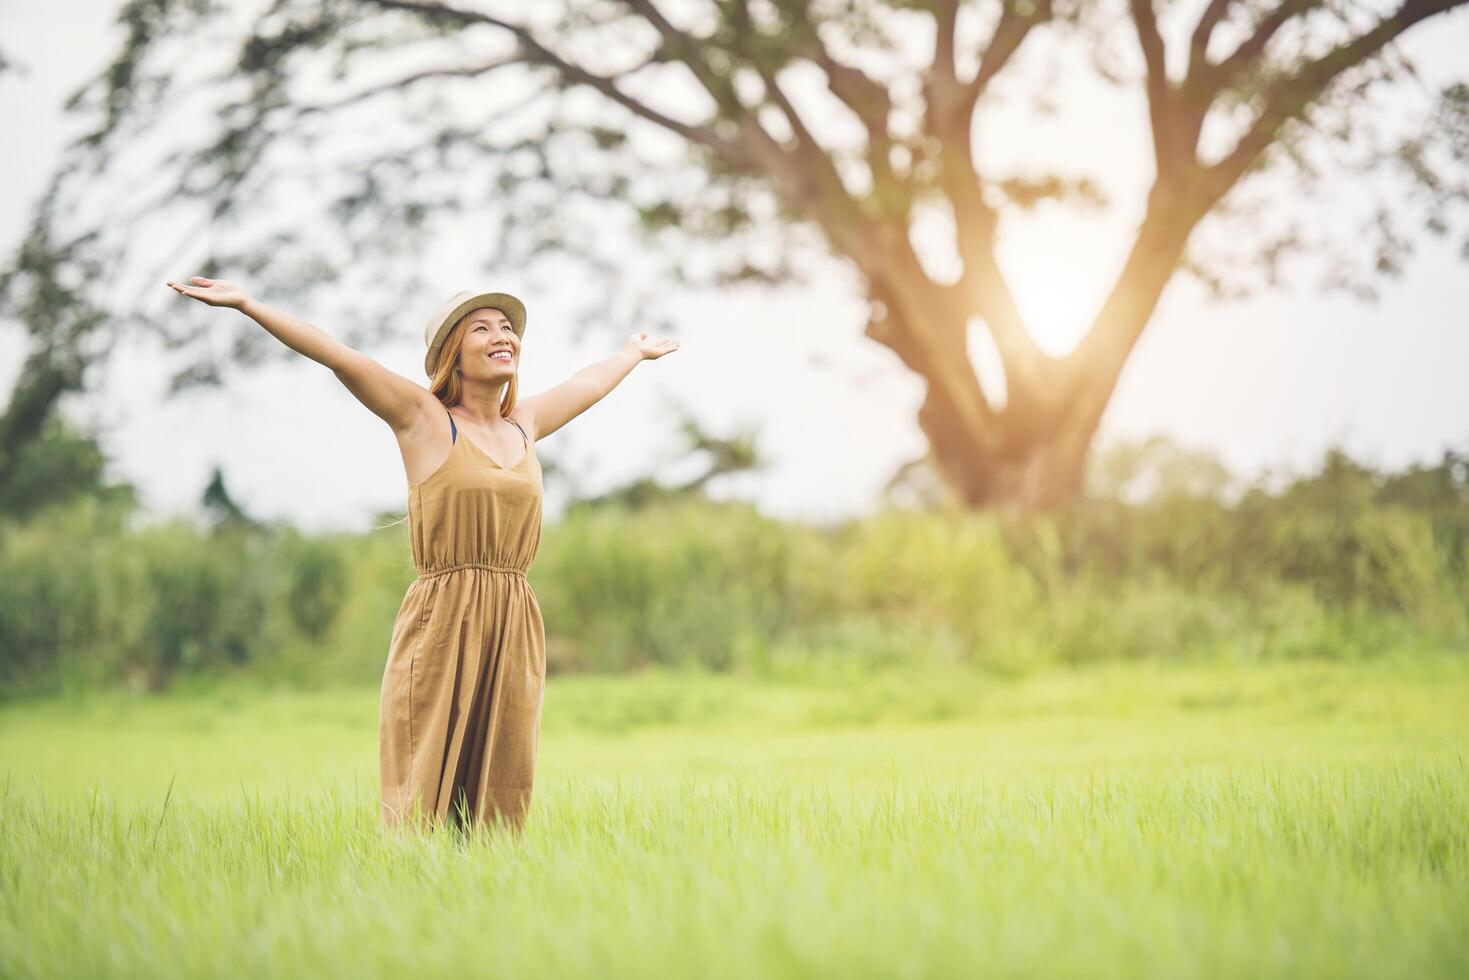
(1338, 566)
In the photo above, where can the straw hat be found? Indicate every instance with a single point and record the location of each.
(457, 306)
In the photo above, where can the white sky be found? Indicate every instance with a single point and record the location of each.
(1267, 383)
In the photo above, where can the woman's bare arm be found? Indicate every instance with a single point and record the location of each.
(549, 410)
(388, 395)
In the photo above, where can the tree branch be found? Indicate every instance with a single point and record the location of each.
(1169, 158)
(809, 181)
(1016, 22)
(870, 103)
(1198, 52)
(948, 115)
(535, 52)
(1093, 367)
(946, 23)
(1292, 97)
(388, 87)
(689, 51)
(1152, 47)
(1250, 50)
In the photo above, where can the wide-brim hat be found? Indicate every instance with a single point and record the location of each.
(457, 306)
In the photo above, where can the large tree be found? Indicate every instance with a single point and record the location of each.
(770, 128)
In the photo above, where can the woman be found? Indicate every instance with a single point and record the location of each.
(464, 682)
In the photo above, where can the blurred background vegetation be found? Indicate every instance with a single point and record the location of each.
(1166, 557)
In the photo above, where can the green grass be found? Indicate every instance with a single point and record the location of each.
(1289, 819)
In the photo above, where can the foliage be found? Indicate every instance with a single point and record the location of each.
(1345, 562)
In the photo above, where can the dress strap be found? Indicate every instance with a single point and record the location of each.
(522, 430)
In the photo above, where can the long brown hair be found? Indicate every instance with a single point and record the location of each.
(446, 386)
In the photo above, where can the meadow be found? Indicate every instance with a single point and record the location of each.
(1179, 739)
(1149, 818)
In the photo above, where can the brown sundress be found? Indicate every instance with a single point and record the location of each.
(460, 715)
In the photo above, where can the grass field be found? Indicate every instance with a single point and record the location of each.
(1292, 819)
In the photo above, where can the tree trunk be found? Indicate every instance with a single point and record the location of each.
(1041, 471)
(1031, 455)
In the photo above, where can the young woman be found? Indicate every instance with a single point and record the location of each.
(465, 677)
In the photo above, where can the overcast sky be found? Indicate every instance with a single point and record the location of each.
(1267, 383)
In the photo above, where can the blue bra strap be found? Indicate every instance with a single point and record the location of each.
(454, 429)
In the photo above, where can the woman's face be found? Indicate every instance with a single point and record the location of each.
(490, 349)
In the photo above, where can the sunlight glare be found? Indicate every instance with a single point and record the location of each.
(1060, 268)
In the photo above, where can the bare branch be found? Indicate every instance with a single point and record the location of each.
(1250, 50)
(1152, 48)
(806, 176)
(538, 53)
(1015, 23)
(951, 101)
(869, 101)
(946, 23)
(1213, 15)
(689, 51)
(1168, 157)
(948, 116)
(408, 80)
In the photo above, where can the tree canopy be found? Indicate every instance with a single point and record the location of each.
(773, 132)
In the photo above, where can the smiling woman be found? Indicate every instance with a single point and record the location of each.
(463, 686)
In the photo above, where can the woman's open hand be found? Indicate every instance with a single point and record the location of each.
(648, 350)
(215, 292)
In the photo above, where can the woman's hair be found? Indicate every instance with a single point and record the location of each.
(449, 389)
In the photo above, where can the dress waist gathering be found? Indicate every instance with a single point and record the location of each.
(424, 573)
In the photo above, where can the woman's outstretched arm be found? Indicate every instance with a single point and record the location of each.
(551, 409)
(387, 394)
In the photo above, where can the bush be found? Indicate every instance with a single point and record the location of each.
(1341, 565)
